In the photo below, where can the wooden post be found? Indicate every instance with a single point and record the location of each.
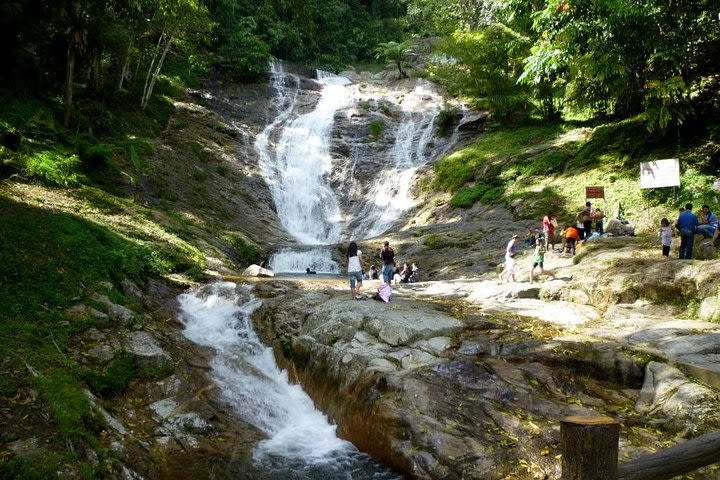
(589, 448)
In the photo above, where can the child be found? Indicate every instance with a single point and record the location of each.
(539, 260)
(665, 237)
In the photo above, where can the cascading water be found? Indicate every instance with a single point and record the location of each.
(390, 195)
(301, 442)
(307, 206)
(298, 166)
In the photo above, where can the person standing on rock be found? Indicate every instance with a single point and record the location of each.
(355, 269)
(549, 223)
(387, 255)
(539, 261)
(665, 237)
(509, 272)
(687, 224)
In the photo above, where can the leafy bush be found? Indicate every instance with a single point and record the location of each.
(484, 65)
(445, 118)
(116, 377)
(375, 129)
(434, 242)
(53, 168)
(95, 156)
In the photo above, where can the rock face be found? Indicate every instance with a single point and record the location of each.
(438, 396)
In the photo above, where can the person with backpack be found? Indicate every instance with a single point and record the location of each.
(387, 255)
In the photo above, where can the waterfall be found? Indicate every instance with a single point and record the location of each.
(298, 167)
(300, 437)
(390, 195)
(295, 160)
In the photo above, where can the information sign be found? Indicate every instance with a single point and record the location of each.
(660, 173)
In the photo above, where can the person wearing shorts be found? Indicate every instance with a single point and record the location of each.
(355, 269)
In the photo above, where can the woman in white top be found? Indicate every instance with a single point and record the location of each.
(355, 269)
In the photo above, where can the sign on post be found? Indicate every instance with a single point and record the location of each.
(660, 173)
(595, 192)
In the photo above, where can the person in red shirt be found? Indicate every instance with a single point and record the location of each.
(570, 236)
(549, 223)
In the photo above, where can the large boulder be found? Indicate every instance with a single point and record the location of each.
(149, 356)
(617, 228)
(257, 271)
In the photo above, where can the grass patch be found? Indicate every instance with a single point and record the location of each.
(539, 167)
(115, 379)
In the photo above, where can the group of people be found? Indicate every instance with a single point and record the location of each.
(688, 224)
(389, 270)
(589, 224)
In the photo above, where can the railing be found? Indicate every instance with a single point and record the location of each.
(590, 452)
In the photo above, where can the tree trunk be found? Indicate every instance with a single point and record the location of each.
(96, 74)
(156, 73)
(126, 65)
(589, 448)
(150, 70)
(69, 74)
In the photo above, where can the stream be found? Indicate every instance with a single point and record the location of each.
(301, 442)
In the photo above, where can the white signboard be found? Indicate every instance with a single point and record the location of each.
(660, 173)
(716, 185)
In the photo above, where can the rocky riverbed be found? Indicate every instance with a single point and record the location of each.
(470, 378)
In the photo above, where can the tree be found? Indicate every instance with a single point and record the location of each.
(76, 44)
(174, 21)
(396, 54)
(484, 66)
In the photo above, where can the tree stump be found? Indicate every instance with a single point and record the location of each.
(589, 448)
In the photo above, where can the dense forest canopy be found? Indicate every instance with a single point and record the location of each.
(514, 57)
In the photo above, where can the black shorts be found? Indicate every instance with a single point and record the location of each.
(535, 264)
(666, 250)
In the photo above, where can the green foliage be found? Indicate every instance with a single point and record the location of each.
(243, 51)
(397, 54)
(67, 401)
(376, 127)
(484, 66)
(619, 56)
(116, 377)
(17, 468)
(446, 117)
(95, 156)
(53, 168)
(667, 102)
(434, 242)
(247, 251)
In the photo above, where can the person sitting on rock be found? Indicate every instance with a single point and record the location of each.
(373, 273)
(415, 277)
(708, 222)
(405, 274)
(310, 272)
(396, 275)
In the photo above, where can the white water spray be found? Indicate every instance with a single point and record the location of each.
(297, 169)
(390, 195)
(251, 382)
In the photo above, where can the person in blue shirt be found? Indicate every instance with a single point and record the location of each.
(687, 224)
(708, 222)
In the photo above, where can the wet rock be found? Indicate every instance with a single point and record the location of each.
(149, 356)
(473, 121)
